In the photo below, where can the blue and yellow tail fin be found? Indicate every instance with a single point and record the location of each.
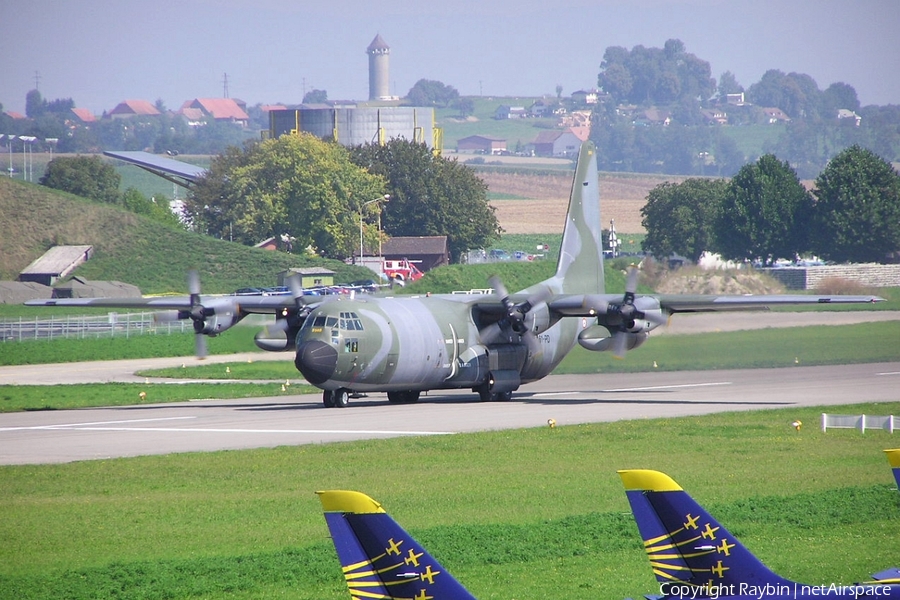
(380, 559)
(894, 459)
(685, 544)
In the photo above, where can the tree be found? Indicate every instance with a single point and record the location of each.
(430, 195)
(154, 208)
(465, 106)
(295, 184)
(427, 92)
(654, 75)
(728, 84)
(34, 104)
(797, 94)
(315, 97)
(679, 217)
(856, 216)
(86, 176)
(764, 213)
(839, 95)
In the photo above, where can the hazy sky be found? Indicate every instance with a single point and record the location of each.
(100, 52)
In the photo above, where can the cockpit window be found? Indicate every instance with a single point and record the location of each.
(350, 322)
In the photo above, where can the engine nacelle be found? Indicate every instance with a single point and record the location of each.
(537, 320)
(218, 316)
(597, 339)
(640, 326)
(276, 341)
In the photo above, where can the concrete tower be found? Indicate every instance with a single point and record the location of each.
(379, 57)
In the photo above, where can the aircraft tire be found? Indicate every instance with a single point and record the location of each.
(404, 397)
(328, 398)
(484, 393)
(340, 396)
(503, 396)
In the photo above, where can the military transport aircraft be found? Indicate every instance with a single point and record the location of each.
(490, 343)
(694, 556)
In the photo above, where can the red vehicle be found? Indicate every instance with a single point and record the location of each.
(401, 271)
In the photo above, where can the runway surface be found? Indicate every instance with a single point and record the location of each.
(209, 425)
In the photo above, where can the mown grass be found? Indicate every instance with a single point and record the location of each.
(16, 398)
(62, 350)
(519, 514)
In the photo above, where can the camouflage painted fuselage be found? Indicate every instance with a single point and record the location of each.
(426, 342)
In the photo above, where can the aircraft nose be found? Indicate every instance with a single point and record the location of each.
(316, 360)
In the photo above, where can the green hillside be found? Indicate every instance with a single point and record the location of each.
(132, 249)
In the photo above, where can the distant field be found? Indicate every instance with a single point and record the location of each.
(537, 202)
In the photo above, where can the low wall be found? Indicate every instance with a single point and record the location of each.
(809, 278)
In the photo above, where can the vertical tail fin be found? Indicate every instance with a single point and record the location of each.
(379, 559)
(894, 460)
(684, 543)
(580, 265)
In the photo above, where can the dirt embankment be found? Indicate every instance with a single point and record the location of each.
(542, 207)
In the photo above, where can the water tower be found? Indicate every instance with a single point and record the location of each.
(379, 57)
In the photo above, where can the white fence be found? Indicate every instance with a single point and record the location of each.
(108, 325)
(861, 422)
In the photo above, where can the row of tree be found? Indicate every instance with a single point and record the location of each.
(322, 193)
(764, 213)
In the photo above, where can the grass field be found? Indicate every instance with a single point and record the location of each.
(523, 514)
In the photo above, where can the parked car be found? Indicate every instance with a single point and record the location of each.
(278, 290)
(249, 291)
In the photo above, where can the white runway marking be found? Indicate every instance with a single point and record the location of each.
(889, 373)
(640, 389)
(82, 425)
(123, 426)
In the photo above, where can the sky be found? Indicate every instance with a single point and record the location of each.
(101, 52)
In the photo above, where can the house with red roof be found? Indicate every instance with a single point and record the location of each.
(83, 115)
(133, 108)
(220, 109)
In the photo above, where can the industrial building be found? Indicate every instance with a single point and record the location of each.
(356, 125)
(351, 124)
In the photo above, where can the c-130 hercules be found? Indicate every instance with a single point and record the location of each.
(491, 344)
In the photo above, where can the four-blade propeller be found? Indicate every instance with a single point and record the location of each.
(196, 313)
(622, 318)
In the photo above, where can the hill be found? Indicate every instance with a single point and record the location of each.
(132, 249)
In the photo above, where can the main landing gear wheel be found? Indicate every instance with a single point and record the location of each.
(335, 398)
(486, 395)
(404, 397)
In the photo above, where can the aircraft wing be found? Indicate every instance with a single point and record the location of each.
(244, 304)
(674, 303)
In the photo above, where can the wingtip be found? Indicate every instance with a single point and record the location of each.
(648, 480)
(348, 502)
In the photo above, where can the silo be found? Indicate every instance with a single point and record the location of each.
(379, 57)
